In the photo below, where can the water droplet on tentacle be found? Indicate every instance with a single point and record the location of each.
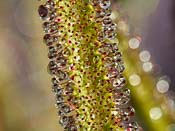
(94, 2)
(71, 128)
(118, 82)
(66, 121)
(52, 52)
(64, 110)
(126, 113)
(49, 39)
(50, 27)
(102, 14)
(107, 21)
(62, 76)
(130, 126)
(50, 3)
(46, 12)
(112, 72)
(109, 33)
(52, 67)
(107, 49)
(57, 89)
(119, 66)
(61, 62)
(117, 56)
(104, 4)
(59, 99)
(133, 126)
(43, 11)
(123, 97)
(55, 84)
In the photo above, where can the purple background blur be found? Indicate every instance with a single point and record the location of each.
(160, 38)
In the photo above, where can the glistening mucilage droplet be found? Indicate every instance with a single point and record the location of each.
(104, 4)
(50, 27)
(43, 11)
(123, 97)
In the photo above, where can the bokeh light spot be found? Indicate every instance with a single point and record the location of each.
(134, 43)
(145, 56)
(162, 86)
(147, 66)
(155, 113)
(134, 80)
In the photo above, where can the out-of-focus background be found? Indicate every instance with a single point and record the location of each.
(26, 100)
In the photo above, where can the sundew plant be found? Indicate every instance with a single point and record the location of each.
(86, 66)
